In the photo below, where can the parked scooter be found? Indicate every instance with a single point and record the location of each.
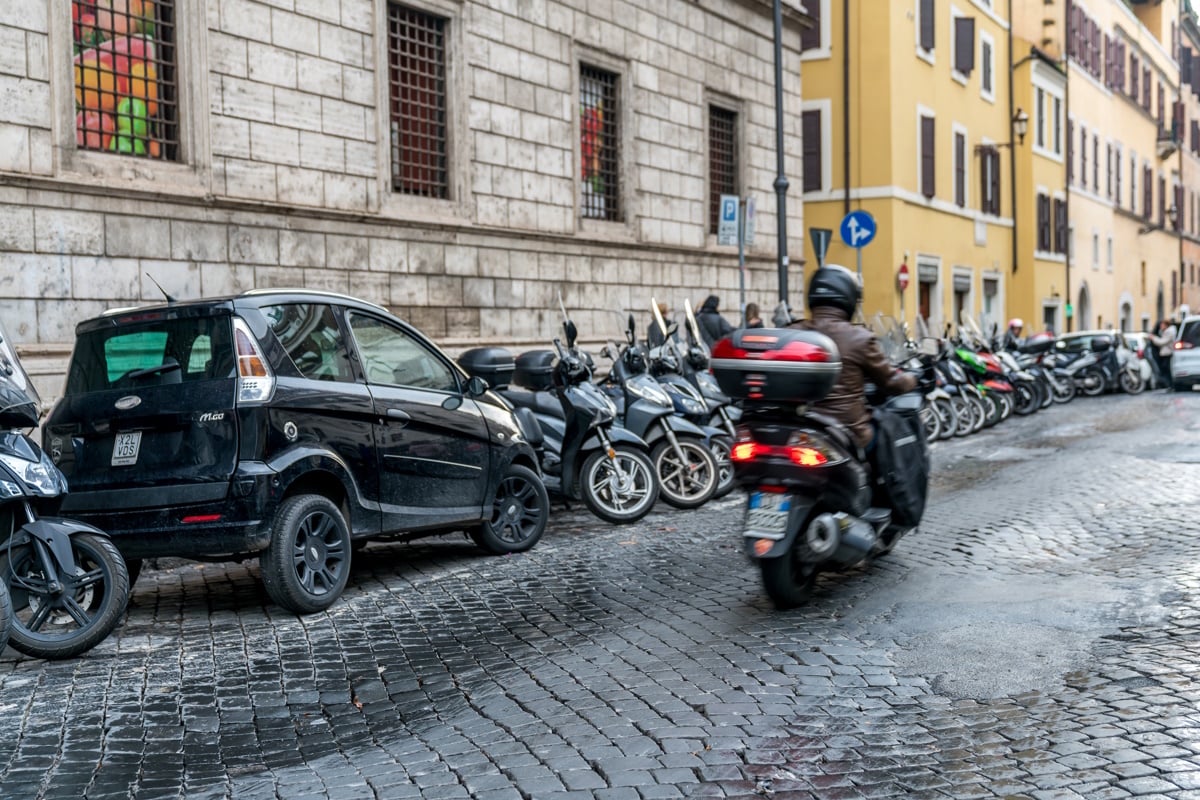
(811, 501)
(680, 450)
(67, 581)
(570, 422)
(666, 364)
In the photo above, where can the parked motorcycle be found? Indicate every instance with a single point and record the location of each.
(570, 423)
(680, 450)
(812, 503)
(67, 582)
(667, 365)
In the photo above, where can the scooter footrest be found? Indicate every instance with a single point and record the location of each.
(877, 518)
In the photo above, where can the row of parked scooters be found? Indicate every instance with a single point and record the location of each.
(657, 426)
(981, 382)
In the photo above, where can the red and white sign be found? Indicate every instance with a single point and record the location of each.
(902, 277)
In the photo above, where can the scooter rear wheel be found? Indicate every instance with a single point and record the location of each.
(5, 615)
(788, 580)
(62, 624)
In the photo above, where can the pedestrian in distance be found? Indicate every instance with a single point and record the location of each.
(1164, 342)
(712, 325)
(753, 319)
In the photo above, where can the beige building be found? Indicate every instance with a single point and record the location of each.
(1189, 89)
(1123, 162)
(459, 162)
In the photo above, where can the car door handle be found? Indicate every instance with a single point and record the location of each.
(399, 415)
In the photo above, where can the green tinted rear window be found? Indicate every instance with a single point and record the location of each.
(152, 353)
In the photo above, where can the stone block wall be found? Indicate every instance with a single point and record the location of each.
(286, 175)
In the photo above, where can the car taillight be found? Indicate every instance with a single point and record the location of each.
(256, 382)
(1184, 345)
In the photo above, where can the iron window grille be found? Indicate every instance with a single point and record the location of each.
(126, 90)
(417, 102)
(722, 159)
(599, 145)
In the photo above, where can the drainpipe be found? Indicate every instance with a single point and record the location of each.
(1012, 146)
(1068, 321)
(845, 107)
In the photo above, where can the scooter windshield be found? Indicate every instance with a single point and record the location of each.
(891, 338)
(18, 396)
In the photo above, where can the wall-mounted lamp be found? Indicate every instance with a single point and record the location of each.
(1172, 215)
(1020, 126)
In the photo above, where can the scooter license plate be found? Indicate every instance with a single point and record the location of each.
(767, 515)
(125, 448)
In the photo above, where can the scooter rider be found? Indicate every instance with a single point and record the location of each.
(1012, 336)
(833, 295)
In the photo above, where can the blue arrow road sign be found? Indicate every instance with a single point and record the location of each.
(858, 229)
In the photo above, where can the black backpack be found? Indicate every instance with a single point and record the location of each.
(902, 465)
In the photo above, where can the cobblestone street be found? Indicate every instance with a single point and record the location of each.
(1037, 638)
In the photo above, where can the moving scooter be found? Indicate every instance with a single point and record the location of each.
(67, 582)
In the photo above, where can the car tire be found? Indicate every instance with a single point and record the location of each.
(520, 511)
(307, 563)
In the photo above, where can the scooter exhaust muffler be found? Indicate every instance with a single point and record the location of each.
(837, 537)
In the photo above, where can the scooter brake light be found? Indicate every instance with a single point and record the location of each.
(807, 456)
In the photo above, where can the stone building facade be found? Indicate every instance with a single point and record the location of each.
(459, 162)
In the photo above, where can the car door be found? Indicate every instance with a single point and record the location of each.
(432, 441)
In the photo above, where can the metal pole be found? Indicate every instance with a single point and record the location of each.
(742, 258)
(781, 181)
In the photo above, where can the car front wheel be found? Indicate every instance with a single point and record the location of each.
(307, 564)
(519, 513)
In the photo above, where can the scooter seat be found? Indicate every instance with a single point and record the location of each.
(538, 402)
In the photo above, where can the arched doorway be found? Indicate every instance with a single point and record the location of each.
(1083, 309)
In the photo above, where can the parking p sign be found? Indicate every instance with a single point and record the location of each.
(727, 225)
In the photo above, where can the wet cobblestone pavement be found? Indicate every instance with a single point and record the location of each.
(1038, 638)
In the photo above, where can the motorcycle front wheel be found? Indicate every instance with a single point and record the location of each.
(721, 450)
(931, 420)
(61, 622)
(1131, 383)
(5, 616)
(686, 483)
(1062, 390)
(620, 490)
(1091, 382)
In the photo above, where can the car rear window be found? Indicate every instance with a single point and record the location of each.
(155, 353)
(1191, 333)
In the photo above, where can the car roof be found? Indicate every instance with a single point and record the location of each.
(253, 297)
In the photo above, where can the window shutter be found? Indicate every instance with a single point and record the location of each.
(927, 30)
(1073, 34)
(996, 182)
(810, 133)
(1178, 207)
(1147, 192)
(960, 170)
(810, 38)
(1070, 151)
(1185, 65)
(927, 157)
(1196, 76)
(1043, 221)
(1060, 226)
(964, 44)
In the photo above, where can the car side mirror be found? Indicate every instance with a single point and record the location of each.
(476, 386)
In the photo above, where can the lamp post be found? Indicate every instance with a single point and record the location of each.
(781, 181)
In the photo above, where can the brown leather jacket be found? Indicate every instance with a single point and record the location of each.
(862, 361)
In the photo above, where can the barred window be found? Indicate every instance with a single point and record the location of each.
(417, 102)
(722, 159)
(126, 91)
(599, 147)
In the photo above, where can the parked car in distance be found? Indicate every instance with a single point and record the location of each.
(290, 425)
(1185, 357)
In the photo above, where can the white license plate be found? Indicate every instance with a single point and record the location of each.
(767, 515)
(125, 448)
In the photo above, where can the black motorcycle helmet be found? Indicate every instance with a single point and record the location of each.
(834, 285)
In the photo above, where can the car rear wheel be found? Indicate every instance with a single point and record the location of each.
(519, 513)
(307, 564)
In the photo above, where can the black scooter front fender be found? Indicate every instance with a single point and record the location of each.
(761, 548)
(55, 533)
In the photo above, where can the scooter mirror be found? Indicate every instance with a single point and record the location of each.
(630, 329)
(571, 333)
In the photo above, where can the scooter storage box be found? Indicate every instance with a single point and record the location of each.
(776, 365)
(534, 370)
(494, 364)
(1037, 344)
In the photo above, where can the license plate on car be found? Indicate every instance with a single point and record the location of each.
(767, 515)
(125, 448)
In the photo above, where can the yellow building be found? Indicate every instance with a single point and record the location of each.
(1189, 146)
(907, 116)
(1123, 162)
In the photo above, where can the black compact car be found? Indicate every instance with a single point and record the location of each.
(288, 424)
